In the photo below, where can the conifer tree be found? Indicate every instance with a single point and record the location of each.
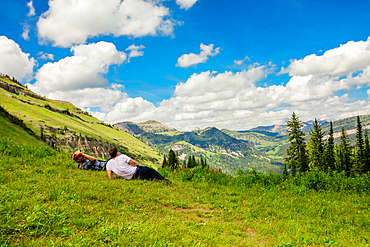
(315, 147)
(366, 167)
(164, 164)
(296, 154)
(173, 161)
(330, 157)
(359, 151)
(201, 162)
(345, 154)
(192, 162)
(189, 164)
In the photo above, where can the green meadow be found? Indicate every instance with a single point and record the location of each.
(46, 201)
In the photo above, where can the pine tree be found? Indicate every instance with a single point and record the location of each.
(164, 164)
(330, 157)
(345, 154)
(173, 162)
(366, 167)
(315, 147)
(201, 162)
(192, 162)
(296, 154)
(359, 151)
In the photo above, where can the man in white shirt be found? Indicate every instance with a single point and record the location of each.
(125, 167)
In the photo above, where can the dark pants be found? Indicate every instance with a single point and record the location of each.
(146, 173)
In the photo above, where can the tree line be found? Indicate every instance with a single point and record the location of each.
(172, 161)
(322, 154)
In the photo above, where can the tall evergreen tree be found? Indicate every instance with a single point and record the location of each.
(330, 157)
(295, 154)
(359, 151)
(201, 161)
(315, 147)
(173, 162)
(345, 154)
(366, 167)
(164, 164)
(192, 162)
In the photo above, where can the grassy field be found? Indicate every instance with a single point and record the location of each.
(46, 201)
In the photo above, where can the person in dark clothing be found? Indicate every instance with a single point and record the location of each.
(125, 167)
(87, 162)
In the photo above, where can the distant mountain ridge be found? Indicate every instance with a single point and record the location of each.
(263, 145)
(219, 148)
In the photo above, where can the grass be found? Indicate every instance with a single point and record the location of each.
(45, 200)
(36, 116)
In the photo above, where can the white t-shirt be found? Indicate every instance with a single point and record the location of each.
(121, 167)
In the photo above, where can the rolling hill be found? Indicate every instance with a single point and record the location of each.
(61, 124)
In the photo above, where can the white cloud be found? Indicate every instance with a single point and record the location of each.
(72, 22)
(13, 61)
(45, 56)
(236, 101)
(31, 11)
(347, 58)
(186, 4)
(133, 109)
(240, 62)
(91, 97)
(26, 30)
(187, 60)
(135, 51)
(84, 69)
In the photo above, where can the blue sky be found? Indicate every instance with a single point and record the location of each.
(193, 63)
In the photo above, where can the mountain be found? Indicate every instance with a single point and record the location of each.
(219, 148)
(61, 124)
(150, 126)
(262, 147)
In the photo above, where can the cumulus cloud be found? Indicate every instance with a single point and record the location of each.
(240, 62)
(186, 4)
(31, 9)
(13, 61)
(187, 60)
(133, 109)
(72, 22)
(91, 97)
(235, 100)
(82, 70)
(45, 56)
(26, 30)
(135, 51)
(347, 58)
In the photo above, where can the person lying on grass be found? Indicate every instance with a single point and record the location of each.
(87, 162)
(125, 167)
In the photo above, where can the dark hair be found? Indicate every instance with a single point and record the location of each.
(113, 152)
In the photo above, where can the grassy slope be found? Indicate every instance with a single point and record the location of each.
(35, 115)
(46, 201)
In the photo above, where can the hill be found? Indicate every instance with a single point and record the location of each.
(262, 147)
(221, 150)
(61, 124)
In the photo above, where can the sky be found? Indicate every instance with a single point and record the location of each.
(234, 64)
